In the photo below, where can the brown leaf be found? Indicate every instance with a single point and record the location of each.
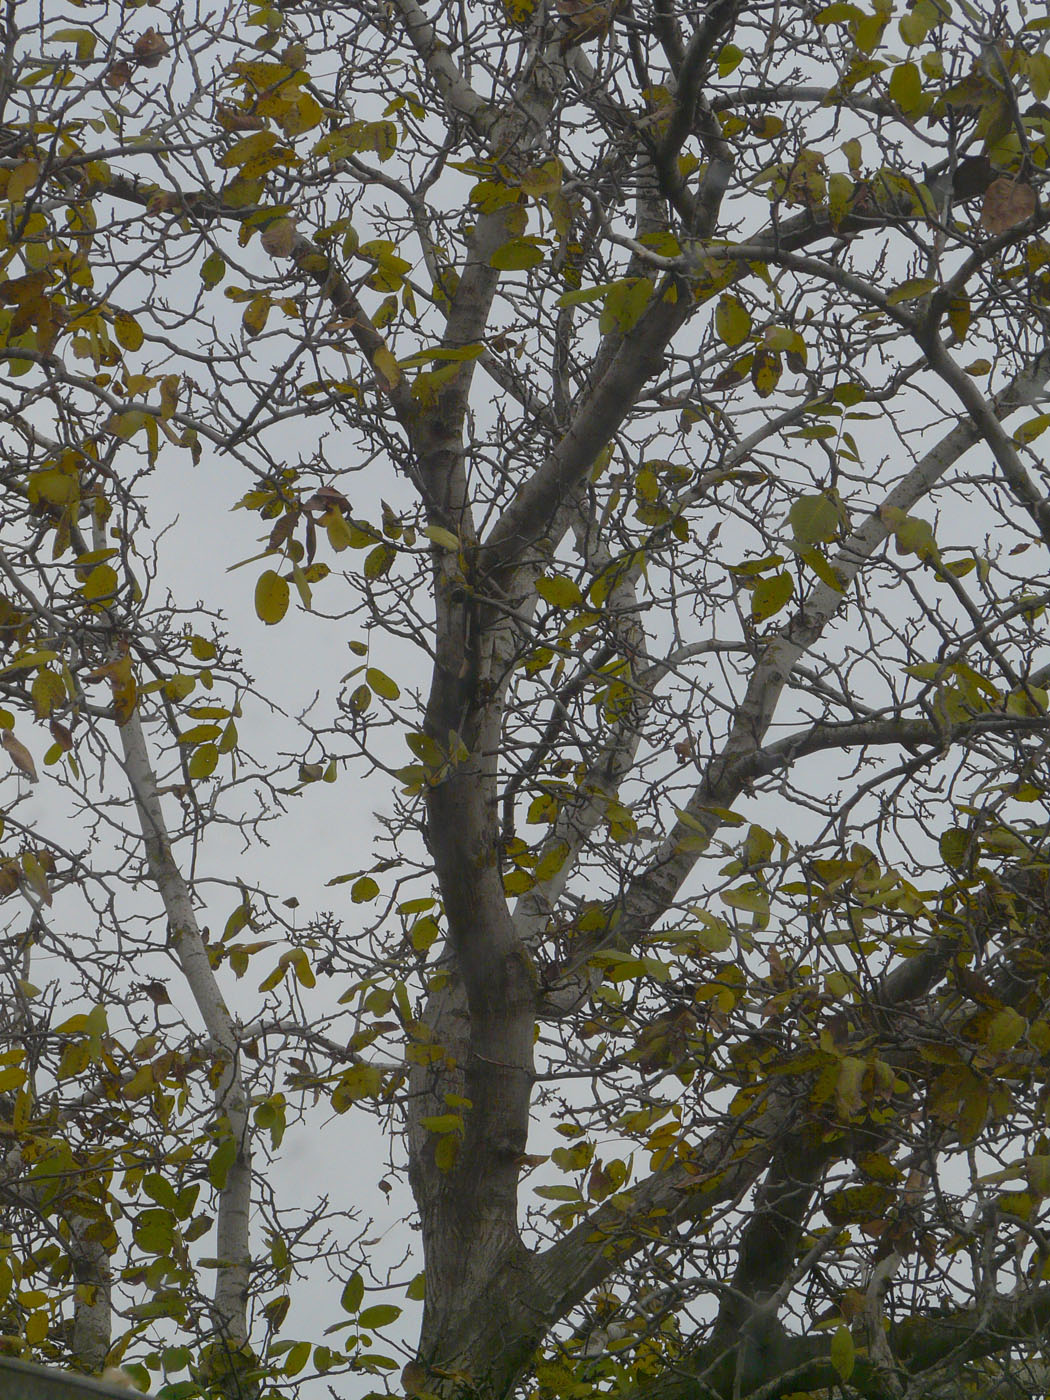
(278, 238)
(19, 755)
(61, 734)
(1007, 203)
(149, 48)
(585, 21)
(325, 497)
(118, 75)
(232, 119)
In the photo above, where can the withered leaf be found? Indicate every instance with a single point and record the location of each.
(1007, 203)
(278, 238)
(118, 75)
(19, 755)
(150, 48)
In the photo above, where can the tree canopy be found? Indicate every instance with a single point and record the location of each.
(646, 400)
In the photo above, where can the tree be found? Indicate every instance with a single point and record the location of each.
(654, 391)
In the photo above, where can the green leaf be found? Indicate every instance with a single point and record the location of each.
(814, 519)
(517, 256)
(729, 58)
(1005, 1029)
(381, 1315)
(843, 1352)
(213, 269)
(955, 846)
(906, 91)
(353, 1293)
(382, 684)
(222, 1159)
(203, 762)
(363, 890)
(296, 1359)
(770, 595)
(272, 596)
(911, 290)
(378, 561)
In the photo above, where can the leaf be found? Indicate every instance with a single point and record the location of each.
(278, 238)
(843, 1352)
(1029, 431)
(222, 1159)
(19, 755)
(203, 762)
(765, 371)
(955, 846)
(213, 269)
(732, 321)
(149, 48)
(560, 592)
(1005, 1029)
(255, 314)
(387, 369)
(770, 595)
(272, 596)
(729, 58)
(101, 582)
(1007, 203)
(353, 1293)
(378, 561)
(518, 255)
(128, 331)
(382, 684)
(363, 890)
(906, 87)
(440, 536)
(814, 519)
(911, 290)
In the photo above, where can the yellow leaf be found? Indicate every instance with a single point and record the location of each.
(387, 369)
(765, 371)
(732, 321)
(271, 597)
(843, 1353)
(255, 314)
(101, 582)
(906, 87)
(127, 330)
(770, 595)
(382, 684)
(559, 592)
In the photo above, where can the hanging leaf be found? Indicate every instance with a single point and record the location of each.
(732, 321)
(765, 371)
(19, 755)
(127, 330)
(255, 314)
(272, 596)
